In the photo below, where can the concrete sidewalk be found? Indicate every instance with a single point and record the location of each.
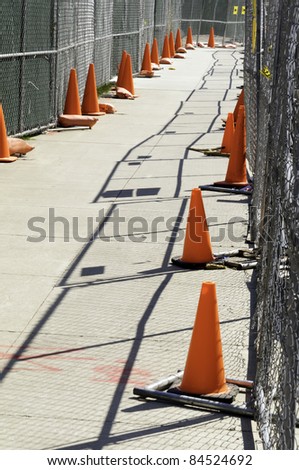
(90, 307)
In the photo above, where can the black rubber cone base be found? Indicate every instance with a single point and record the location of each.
(185, 265)
(213, 153)
(224, 184)
(226, 397)
(214, 264)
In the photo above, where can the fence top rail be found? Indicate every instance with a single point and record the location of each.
(52, 51)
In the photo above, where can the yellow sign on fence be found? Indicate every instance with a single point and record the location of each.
(243, 10)
(236, 9)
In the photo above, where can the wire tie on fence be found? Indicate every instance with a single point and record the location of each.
(34, 86)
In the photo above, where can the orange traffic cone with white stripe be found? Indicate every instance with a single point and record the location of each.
(204, 372)
(236, 174)
(90, 103)
(228, 135)
(211, 41)
(72, 101)
(5, 156)
(197, 250)
(146, 67)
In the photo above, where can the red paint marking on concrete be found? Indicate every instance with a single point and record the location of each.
(43, 355)
(40, 363)
(118, 374)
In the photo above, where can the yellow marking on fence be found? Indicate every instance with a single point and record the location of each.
(266, 72)
(254, 26)
(236, 9)
(243, 10)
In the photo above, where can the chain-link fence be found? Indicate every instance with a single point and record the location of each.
(27, 63)
(226, 16)
(41, 41)
(271, 98)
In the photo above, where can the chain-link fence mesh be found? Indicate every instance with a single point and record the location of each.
(27, 63)
(226, 16)
(41, 42)
(271, 97)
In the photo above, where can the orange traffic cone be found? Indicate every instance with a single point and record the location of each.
(211, 41)
(236, 175)
(228, 135)
(166, 49)
(171, 44)
(204, 370)
(179, 49)
(245, 137)
(127, 80)
(239, 103)
(72, 101)
(165, 58)
(90, 103)
(146, 67)
(155, 52)
(197, 250)
(189, 39)
(178, 40)
(121, 68)
(5, 156)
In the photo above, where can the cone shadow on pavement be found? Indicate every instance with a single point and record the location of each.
(197, 251)
(5, 156)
